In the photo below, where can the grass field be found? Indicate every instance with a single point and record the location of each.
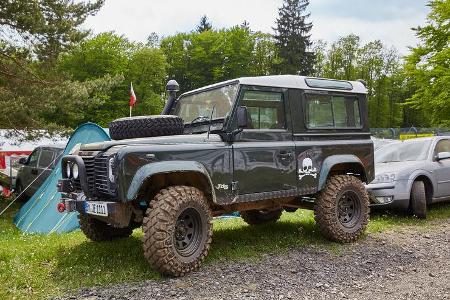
(40, 266)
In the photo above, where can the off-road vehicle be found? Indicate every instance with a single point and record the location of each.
(257, 145)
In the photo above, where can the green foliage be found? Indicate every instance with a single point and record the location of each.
(293, 39)
(33, 34)
(108, 54)
(428, 66)
(198, 59)
(204, 24)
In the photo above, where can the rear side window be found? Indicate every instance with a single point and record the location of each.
(266, 110)
(326, 111)
(46, 158)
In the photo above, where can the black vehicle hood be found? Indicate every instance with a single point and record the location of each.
(159, 140)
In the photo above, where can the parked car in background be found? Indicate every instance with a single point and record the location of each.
(42, 160)
(412, 174)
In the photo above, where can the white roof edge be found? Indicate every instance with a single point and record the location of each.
(287, 81)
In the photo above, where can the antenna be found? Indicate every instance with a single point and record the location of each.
(210, 120)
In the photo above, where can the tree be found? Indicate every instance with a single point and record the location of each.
(108, 54)
(292, 38)
(32, 36)
(204, 24)
(428, 66)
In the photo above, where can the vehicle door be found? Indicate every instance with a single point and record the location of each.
(263, 152)
(442, 169)
(45, 166)
(29, 171)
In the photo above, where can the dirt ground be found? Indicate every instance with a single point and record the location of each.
(408, 263)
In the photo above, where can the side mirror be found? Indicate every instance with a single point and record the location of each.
(442, 155)
(242, 117)
(23, 160)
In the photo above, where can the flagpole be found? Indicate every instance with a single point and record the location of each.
(131, 107)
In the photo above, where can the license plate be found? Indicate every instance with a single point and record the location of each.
(96, 208)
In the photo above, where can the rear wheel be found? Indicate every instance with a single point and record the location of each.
(21, 196)
(177, 230)
(342, 209)
(257, 217)
(98, 231)
(418, 201)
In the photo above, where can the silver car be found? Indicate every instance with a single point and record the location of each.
(412, 174)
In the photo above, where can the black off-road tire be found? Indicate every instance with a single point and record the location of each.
(257, 217)
(145, 126)
(176, 215)
(342, 209)
(418, 201)
(99, 231)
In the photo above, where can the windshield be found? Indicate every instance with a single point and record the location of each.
(192, 107)
(405, 151)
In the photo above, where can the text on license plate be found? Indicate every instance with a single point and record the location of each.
(96, 208)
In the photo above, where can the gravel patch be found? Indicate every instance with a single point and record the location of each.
(411, 263)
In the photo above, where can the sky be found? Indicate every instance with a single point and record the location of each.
(388, 20)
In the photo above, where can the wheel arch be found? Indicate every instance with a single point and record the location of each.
(342, 165)
(153, 177)
(429, 186)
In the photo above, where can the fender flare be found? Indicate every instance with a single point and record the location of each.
(333, 160)
(151, 169)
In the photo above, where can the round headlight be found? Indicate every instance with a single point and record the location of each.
(75, 172)
(68, 170)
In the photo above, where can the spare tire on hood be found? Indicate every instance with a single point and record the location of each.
(145, 126)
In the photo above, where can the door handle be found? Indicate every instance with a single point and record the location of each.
(34, 171)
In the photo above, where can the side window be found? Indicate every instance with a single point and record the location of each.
(442, 146)
(266, 110)
(325, 111)
(46, 158)
(33, 158)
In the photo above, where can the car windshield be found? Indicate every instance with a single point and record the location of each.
(405, 151)
(194, 107)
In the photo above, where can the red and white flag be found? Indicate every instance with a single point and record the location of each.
(132, 96)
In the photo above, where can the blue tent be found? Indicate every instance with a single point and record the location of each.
(39, 214)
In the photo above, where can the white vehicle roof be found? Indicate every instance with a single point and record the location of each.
(289, 81)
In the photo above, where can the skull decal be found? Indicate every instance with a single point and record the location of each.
(307, 169)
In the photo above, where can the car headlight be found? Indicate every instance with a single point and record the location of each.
(75, 149)
(68, 170)
(384, 178)
(75, 171)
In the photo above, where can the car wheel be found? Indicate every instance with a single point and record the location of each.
(21, 196)
(257, 217)
(342, 209)
(98, 231)
(418, 201)
(177, 230)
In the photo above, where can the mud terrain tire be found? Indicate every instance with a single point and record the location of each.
(418, 202)
(257, 217)
(177, 230)
(342, 209)
(98, 231)
(145, 126)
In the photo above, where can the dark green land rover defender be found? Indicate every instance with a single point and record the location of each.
(257, 145)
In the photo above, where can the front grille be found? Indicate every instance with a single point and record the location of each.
(101, 174)
(96, 175)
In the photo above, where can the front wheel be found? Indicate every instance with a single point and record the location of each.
(177, 230)
(418, 202)
(342, 209)
(98, 231)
